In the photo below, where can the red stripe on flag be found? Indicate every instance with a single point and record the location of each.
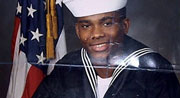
(34, 78)
(14, 36)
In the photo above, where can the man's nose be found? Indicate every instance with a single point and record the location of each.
(97, 33)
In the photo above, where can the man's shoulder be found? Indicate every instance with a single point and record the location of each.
(147, 57)
(155, 61)
(73, 57)
(68, 65)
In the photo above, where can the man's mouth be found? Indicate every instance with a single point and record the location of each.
(100, 47)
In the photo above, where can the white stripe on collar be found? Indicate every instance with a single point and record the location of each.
(90, 72)
(127, 61)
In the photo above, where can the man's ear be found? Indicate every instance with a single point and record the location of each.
(77, 29)
(126, 24)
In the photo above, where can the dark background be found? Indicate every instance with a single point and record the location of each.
(156, 23)
(7, 13)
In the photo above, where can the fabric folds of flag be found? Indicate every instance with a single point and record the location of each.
(29, 47)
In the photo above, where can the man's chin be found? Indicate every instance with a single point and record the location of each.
(100, 60)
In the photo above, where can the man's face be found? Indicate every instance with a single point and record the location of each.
(100, 33)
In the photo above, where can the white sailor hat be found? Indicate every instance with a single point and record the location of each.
(81, 8)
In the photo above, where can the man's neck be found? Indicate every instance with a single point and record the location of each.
(104, 72)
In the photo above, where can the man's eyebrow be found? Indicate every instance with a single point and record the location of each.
(83, 21)
(106, 18)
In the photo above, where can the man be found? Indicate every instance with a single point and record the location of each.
(110, 64)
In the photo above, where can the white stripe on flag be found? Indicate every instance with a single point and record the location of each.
(19, 72)
(60, 51)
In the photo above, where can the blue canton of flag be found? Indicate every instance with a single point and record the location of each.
(33, 30)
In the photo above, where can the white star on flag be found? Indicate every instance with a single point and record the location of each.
(41, 58)
(31, 11)
(22, 40)
(19, 7)
(59, 2)
(36, 35)
(44, 5)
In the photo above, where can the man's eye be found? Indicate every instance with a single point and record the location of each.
(108, 24)
(85, 26)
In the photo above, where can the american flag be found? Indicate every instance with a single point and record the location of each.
(29, 47)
